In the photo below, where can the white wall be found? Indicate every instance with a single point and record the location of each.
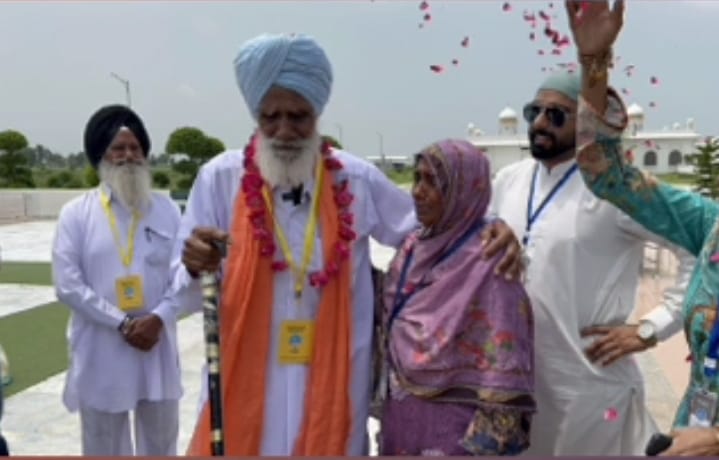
(18, 204)
(666, 146)
(504, 155)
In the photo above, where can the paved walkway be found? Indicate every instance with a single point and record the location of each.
(36, 423)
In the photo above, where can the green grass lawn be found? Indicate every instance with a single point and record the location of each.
(34, 339)
(677, 179)
(35, 273)
(35, 343)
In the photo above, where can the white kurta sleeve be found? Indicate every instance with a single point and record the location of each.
(392, 216)
(667, 316)
(200, 211)
(70, 286)
(169, 307)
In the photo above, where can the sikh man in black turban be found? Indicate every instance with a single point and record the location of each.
(111, 266)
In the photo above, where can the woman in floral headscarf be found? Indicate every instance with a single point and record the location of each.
(458, 340)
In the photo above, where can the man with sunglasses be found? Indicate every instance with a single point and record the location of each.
(582, 260)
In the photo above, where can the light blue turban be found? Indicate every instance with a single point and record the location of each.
(565, 82)
(294, 62)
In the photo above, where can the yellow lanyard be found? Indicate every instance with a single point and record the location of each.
(126, 254)
(310, 232)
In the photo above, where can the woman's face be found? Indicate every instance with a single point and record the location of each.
(427, 194)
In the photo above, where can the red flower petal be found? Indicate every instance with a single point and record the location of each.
(261, 234)
(344, 199)
(267, 249)
(333, 164)
(279, 266)
(347, 218)
(332, 268)
(342, 250)
(347, 234)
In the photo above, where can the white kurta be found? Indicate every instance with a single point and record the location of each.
(381, 210)
(106, 373)
(584, 270)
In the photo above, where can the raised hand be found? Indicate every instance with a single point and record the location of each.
(595, 26)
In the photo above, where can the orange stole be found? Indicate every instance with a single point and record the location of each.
(245, 323)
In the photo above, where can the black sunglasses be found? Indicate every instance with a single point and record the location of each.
(556, 115)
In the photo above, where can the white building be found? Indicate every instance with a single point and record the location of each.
(659, 152)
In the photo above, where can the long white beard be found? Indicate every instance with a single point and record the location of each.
(288, 164)
(131, 182)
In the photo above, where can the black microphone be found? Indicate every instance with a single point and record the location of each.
(295, 195)
(657, 444)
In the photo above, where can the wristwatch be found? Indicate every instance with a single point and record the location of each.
(647, 332)
(124, 325)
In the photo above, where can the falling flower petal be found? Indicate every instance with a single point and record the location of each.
(625, 91)
(423, 6)
(506, 7)
(654, 81)
(543, 15)
(541, 52)
(611, 414)
(436, 68)
(532, 36)
(428, 17)
(465, 42)
(455, 62)
(653, 105)
(564, 41)
(529, 16)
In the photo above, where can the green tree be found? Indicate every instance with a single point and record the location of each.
(91, 177)
(197, 146)
(706, 168)
(15, 168)
(160, 179)
(64, 179)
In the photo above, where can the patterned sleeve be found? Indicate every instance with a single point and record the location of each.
(680, 216)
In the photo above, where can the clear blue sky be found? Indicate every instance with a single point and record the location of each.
(56, 57)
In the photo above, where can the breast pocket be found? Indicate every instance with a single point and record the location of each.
(159, 247)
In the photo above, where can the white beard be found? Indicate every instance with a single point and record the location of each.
(130, 182)
(288, 164)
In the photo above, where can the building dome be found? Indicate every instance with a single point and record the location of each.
(508, 114)
(635, 110)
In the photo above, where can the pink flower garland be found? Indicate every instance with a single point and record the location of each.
(252, 184)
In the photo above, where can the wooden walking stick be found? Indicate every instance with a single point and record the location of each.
(210, 290)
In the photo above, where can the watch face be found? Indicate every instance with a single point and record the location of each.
(646, 331)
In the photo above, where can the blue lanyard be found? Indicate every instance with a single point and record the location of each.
(532, 216)
(400, 299)
(710, 362)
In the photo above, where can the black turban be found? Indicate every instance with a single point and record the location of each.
(104, 125)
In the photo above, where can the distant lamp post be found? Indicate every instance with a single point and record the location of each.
(339, 130)
(381, 152)
(126, 83)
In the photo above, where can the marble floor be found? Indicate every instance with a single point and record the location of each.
(36, 423)
(27, 241)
